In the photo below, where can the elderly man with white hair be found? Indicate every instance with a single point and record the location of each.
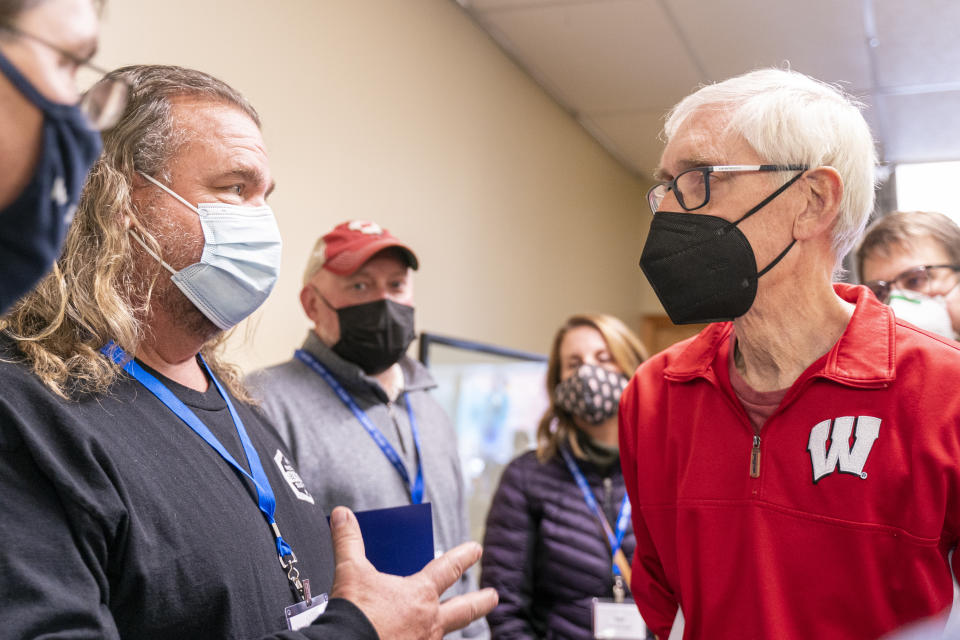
(793, 469)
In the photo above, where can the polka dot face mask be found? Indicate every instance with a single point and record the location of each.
(592, 393)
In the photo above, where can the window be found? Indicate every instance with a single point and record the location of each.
(930, 186)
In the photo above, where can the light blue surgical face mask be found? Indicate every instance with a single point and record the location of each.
(240, 261)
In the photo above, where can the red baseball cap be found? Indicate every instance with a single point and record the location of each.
(350, 244)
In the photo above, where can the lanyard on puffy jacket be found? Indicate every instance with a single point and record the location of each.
(615, 539)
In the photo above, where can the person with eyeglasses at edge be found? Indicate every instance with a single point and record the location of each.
(794, 469)
(911, 261)
(48, 137)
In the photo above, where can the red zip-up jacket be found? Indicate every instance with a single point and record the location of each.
(834, 521)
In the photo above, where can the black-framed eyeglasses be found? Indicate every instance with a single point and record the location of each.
(929, 279)
(104, 102)
(692, 187)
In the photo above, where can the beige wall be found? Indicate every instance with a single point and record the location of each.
(404, 112)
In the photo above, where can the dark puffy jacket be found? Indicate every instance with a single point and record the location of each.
(544, 550)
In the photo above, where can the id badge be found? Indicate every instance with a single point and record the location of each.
(301, 615)
(617, 620)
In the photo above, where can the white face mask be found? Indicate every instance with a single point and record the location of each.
(240, 261)
(926, 312)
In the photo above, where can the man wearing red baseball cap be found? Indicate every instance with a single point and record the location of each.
(354, 409)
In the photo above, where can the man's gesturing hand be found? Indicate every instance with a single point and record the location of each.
(405, 608)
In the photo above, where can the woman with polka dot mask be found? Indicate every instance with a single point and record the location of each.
(558, 532)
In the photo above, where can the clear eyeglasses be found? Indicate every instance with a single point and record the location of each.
(692, 187)
(930, 280)
(103, 103)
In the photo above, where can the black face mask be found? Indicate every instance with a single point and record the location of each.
(702, 267)
(34, 225)
(374, 335)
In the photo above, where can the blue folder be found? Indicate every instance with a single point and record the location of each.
(398, 540)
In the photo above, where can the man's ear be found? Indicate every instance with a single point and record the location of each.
(309, 301)
(822, 192)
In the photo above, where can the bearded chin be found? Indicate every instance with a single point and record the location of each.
(168, 299)
(164, 298)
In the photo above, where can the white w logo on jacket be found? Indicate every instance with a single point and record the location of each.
(850, 459)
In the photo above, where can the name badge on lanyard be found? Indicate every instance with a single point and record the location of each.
(303, 614)
(618, 620)
(416, 487)
(266, 499)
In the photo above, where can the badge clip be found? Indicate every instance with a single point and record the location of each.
(619, 592)
(293, 574)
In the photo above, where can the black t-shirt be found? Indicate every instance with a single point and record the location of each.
(118, 521)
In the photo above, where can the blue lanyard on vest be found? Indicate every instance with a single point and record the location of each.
(623, 518)
(416, 489)
(266, 501)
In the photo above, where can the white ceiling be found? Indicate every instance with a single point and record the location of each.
(618, 65)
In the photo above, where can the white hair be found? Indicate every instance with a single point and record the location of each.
(790, 118)
(316, 260)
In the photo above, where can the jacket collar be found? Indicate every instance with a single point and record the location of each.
(864, 356)
(352, 377)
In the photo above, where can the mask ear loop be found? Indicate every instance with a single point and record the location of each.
(777, 259)
(170, 191)
(323, 298)
(136, 236)
(764, 203)
(767, 200)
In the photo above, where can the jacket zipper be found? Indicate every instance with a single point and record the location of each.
(755, 457)
(755, 450)
(396, 426)
(738, 409)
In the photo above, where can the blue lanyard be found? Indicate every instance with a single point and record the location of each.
(416, 490)
(623, 519)
(265, 496)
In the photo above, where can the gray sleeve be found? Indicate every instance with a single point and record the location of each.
(261, 385)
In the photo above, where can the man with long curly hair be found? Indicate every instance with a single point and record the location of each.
(143, 496)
